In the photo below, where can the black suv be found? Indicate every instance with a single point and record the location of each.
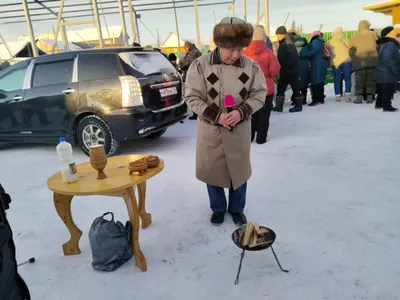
(100, 96)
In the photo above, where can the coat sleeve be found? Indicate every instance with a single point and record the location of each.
(274, 66)
(196, 94)
(312, 50)
(257, 93)
(186, 61)
(390, 58)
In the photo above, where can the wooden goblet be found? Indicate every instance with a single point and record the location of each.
(98, 160)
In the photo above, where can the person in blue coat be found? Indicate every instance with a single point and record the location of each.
(319, 65)
(388, 70)
(304, 66)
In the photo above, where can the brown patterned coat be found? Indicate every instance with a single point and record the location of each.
(223, 156)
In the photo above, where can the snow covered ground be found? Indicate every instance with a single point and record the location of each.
(327, 182)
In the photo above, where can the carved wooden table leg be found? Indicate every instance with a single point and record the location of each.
(63, 207)
(146, 217)
(133, 211)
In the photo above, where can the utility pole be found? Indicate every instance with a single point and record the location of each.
(137, 16)
(245, 9)
(59, 20)
(158, 39)
(266, 12)
(196, 14)
(98, 25)
(320, 27)
(231, 7)
(258, 10)
(177, 27)
(132, 19)
(123, 23)
(30, 28)
(215, 19)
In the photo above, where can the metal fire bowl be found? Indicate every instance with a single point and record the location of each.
(270, 235)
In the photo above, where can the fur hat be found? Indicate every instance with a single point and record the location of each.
(259, 34)
(233, 33)
(281, 30)
(387, 30)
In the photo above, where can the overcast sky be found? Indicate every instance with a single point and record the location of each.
(309, 13)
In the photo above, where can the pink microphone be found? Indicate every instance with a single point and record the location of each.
(229, 103)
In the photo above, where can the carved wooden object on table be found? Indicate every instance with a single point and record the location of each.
(98, 160)
(139, 166)
(118, 184)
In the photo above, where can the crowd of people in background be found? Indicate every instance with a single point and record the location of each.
(303, 65)
(233, 88)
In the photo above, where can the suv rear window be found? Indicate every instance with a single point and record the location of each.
(53, 73)
(97, 66)
(146, 63)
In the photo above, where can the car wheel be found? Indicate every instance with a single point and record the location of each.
(157, 134)
(93, 130)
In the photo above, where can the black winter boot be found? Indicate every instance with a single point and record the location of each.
(280, 101)
(298, 105)
(239, 218)
(217, 218)
(390, 109)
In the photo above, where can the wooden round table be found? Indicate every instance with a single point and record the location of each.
(117, 184)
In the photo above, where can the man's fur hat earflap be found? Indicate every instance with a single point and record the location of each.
(233, 33)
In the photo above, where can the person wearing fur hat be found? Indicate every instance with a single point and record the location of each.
(388, 70)
(339, 47)
(221, 77)
(364, 61)
(319, 66)
(270, 66)
(288, 58)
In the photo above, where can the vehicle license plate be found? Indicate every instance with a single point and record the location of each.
(168, 91)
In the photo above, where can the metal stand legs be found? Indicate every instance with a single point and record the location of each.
(277, 260)
(240, 268)
(241, 261)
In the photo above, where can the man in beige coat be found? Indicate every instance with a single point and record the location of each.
(365, 60)
(223, 155)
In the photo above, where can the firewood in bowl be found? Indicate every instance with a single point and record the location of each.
(254, 236)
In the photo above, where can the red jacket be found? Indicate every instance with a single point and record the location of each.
(267, 60)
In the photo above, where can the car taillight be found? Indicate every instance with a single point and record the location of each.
(131, 91)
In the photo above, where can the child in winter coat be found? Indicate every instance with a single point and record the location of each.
(388, 70)
(319, 66)
(270, 66)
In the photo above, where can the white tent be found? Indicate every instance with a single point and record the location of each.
(172, 41)
(17, 50)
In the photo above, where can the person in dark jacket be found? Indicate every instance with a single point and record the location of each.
(319, 66)
(172, 58)
(288, 59)
(304, 67)
(191, 54)
(388, 70)
(12, 286)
